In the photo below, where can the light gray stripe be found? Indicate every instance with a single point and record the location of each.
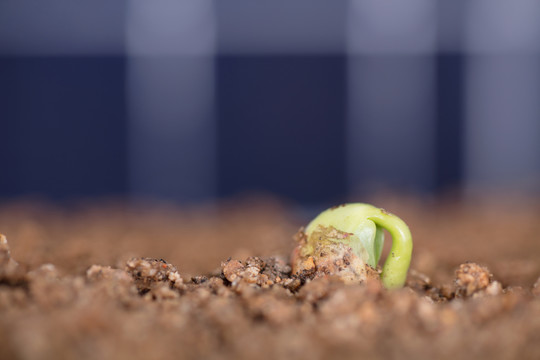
(62, 27)
(390, 95)
(170, 93)
(392, 27)
(281, 26)
(502, 92)
(503, 122)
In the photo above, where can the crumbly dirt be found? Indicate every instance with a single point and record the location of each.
(329, 258)
(93, 283)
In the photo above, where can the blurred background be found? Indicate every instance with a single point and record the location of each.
(314, 101)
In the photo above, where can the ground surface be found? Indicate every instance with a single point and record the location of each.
(103, 282)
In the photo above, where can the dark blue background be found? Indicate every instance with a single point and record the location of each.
(64, 126)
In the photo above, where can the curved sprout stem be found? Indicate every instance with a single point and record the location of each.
(395, 267)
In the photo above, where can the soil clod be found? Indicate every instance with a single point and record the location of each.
(471, 278)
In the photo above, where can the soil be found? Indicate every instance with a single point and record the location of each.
(105, 281)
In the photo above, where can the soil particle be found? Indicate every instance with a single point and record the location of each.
(418, 281)
(276, 306)
(319, 289)
(50, 290)
(328, 257)
(536, 288)
(254, 270)
(5, 254)
(105, 273)
(199, 279)
(471, 278)
(10, 271)
(108, 284)
(151, 275)
(494, 288)
(232, 269)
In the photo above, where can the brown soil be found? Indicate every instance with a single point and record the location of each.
(105, 282)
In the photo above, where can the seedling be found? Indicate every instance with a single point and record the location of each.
(357, 228)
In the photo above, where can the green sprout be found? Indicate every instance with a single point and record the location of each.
(362, 226)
